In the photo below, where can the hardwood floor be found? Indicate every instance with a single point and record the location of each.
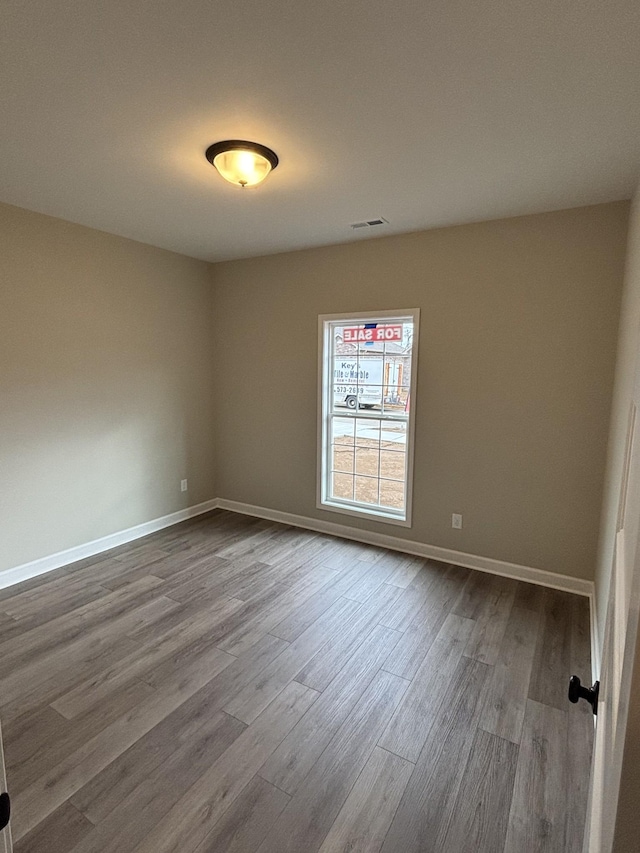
(230, 685)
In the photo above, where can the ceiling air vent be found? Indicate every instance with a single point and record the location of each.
(370, 223)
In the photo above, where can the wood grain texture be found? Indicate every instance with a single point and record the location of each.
(66, 736)
(150, 801)
(50, 791)
(139, 662)
(552, 660)
(423, 815)
(334, 654)
(486, 637)
(62, 830)
(406, 571)
(193, 817)
(244, 825)
(250, 631)
(478, 823)
(410, 725)
(153, 700)
(65, 628)
(426, 624)
(305, 615)
(503, 713)
(377, 574)
(538, 817)
(309, 815)
(102, 795)
(255, 697)
(363, 821)
(415, 596)
(298, 752)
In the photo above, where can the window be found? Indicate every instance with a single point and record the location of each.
(367, 409)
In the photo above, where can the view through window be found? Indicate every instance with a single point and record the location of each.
(368, 367)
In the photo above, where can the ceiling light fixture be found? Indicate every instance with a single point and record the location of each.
(242, 163)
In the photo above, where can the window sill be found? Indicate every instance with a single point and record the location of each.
(365, 512)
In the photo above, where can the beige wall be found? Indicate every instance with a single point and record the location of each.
(517, 349)
(105, 384)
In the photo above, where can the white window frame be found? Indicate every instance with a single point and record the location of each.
(325, 415)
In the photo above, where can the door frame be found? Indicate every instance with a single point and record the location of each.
(619, 649)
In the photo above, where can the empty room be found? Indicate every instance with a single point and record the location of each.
(319, 474)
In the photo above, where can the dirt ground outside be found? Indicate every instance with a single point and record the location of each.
(358, 464)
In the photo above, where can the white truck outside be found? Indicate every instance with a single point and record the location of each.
(357, 383)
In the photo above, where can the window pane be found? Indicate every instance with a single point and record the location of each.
(366, 407)
(392, 464)
(367, 490)
(342, 486)
(404, 399)
(343, 458)
(393, 435)
(367, 460)
(367, 432)
(345, 382)
(392, 494)
(342, 431)
(370, 379)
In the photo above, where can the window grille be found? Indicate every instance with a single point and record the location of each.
(367, 411)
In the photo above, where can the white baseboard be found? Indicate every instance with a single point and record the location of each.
(541, 577)
(566, 583)
(97, 546)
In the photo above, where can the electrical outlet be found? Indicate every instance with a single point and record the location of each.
(183, 485)
(456, 521)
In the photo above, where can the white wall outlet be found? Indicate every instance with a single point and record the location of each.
(456, 521)
(183, 487)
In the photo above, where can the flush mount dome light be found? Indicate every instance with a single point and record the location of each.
(242, 163)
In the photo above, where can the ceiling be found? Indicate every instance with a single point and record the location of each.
(424, 112)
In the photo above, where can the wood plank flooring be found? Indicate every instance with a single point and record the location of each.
(231, 685)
